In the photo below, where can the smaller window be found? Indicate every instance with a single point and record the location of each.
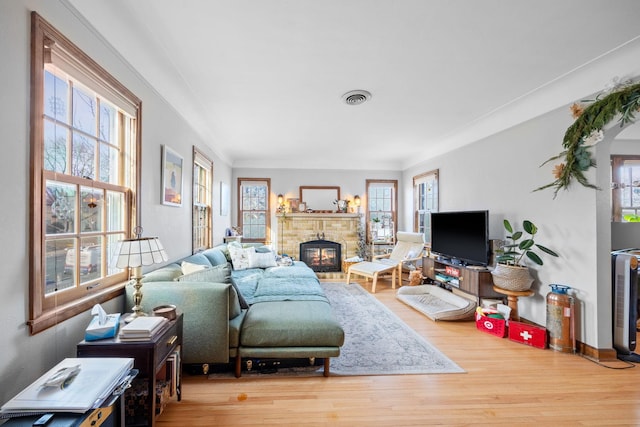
(625, 188)
(253, 209)
(202, 196)
(425, 201)
(382, 202)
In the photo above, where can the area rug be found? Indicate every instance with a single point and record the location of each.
(377, 342)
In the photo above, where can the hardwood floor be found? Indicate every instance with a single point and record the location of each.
(505, 383)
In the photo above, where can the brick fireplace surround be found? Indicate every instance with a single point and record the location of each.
(296, 228)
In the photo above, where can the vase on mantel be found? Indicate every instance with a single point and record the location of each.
(512, 277)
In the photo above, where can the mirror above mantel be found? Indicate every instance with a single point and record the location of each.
(319, 198)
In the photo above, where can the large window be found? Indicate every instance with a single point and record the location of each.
(84, 151)
(625, 190)
(382, 202)
(253, 211)
(425, 201)
(202, 195)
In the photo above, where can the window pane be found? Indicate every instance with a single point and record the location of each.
(60, 207)
(83, 156)
(112, 247)
(108, 123)
(84, 111)
(114, 209)
(55, 147)
(91, 209)
(90, 258)
(55, 98)
(58, 274)
(109, 164)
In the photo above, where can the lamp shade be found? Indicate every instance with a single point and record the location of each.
(140, 251)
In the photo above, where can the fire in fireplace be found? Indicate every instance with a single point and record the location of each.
(321, 256)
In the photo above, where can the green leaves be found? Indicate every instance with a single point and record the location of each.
(623, 102)
(513, 253)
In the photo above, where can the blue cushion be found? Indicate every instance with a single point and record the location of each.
(199, 259)
(215, 256)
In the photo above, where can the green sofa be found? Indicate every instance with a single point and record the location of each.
(252, 313)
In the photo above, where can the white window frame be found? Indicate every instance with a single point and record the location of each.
(246, 237)
(388, 217)
(202, 221)
(623, 187)
(425, 200)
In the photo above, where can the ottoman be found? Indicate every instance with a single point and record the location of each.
(290, 329)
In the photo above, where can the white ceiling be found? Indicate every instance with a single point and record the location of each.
(262, 80)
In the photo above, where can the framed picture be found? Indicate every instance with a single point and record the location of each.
(225, 199)
(172, 166)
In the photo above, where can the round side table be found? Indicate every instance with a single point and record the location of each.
(512, 300)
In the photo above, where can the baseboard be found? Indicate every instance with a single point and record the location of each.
(597, 354)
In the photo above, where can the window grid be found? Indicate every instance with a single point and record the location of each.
(84, 151)
(253, 215)
(382, 200)
(202, 196)
(625, 189)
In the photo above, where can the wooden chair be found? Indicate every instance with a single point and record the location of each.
(408, 250)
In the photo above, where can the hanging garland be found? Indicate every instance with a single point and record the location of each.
(622, 99)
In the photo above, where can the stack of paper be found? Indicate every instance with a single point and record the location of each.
(142, 328)
(95, 381)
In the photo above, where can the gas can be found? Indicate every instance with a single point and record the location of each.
(560, 319)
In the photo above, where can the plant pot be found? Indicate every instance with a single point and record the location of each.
(512, 277)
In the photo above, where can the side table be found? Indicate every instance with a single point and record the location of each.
(512, 300)
(150, 358)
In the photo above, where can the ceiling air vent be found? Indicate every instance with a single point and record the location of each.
(356, 97)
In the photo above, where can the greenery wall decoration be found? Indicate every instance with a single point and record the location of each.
(621, 99)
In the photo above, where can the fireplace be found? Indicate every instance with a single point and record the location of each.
(322, 256)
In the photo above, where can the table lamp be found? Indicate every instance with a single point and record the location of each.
(134, 253)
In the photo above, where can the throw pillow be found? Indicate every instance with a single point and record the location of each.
(188, 267)
(262, 260)
(239, 255)
(217, 274)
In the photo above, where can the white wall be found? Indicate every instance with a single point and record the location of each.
(288, 182)
(23, 357)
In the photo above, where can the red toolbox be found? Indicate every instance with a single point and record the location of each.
(528, 334)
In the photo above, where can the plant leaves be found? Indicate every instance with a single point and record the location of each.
(534, 257)
(546, 250)
(525, 244)
(507, 226)
(529, 227)
(516, 235)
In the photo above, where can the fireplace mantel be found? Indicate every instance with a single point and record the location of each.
(332, 215)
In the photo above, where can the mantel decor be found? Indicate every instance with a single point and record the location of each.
(592, 116)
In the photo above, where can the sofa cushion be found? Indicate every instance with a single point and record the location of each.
(239, 255)
(198, 258)
(215, 256)
(163, 274)
(189, 267)
(217, 274)
(261, 259)
(291, 324)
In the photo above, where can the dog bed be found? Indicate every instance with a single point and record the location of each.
(436, 303)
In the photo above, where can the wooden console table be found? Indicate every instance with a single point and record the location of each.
(150, 359)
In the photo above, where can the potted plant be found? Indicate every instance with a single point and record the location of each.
(510, 272)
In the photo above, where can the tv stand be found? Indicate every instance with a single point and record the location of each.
(472, 280)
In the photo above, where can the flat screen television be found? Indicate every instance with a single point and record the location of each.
(461, 236)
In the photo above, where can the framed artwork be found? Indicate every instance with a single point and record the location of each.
(172, 166)
(225, 199)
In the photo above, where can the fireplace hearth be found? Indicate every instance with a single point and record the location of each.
(322, 256)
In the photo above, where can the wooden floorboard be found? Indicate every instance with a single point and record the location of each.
(505, 384)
